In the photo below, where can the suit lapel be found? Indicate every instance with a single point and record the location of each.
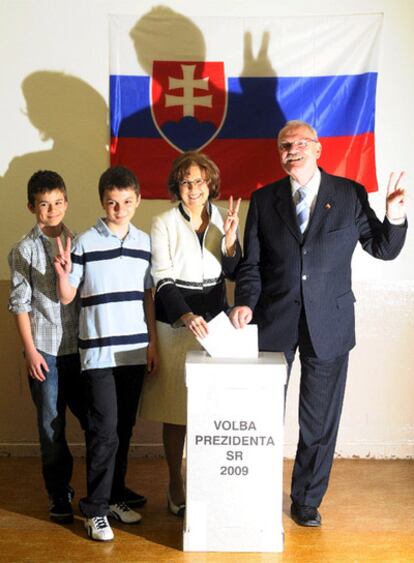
(283, 203)
(323, 206)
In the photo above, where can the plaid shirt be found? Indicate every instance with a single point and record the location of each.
(33, 291)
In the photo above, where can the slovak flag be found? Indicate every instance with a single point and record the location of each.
(226, 86)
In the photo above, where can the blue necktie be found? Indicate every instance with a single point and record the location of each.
(302, 209)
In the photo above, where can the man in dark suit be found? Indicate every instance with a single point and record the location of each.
(295, 283)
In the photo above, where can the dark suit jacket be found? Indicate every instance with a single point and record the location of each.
(282, 271)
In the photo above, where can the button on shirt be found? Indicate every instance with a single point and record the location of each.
(33, 291)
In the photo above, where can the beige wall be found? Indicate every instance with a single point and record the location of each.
(18, 430)
(54, 115)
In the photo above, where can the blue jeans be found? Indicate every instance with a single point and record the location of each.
(63, 387)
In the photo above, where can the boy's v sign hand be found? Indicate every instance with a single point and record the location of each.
(63, 261)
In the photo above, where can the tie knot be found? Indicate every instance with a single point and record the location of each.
(303, 193)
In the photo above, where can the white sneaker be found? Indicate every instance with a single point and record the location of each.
(99, 529)
(121, 512)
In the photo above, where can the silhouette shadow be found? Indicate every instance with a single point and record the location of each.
(70, 113)
(147, 140)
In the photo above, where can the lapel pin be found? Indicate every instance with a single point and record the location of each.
(327, 205)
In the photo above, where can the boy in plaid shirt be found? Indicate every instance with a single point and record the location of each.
(49, 333)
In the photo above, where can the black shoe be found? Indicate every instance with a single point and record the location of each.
(131, 498)
(60, 508)
(305, 515)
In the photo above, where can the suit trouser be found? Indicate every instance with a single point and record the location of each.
(322, 388)
(112, 396)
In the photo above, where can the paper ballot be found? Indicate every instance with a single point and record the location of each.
(225, 341)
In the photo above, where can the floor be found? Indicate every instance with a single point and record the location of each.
(368, 515)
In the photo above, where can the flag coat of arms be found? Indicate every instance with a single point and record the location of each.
(193, 116)
(226, 86)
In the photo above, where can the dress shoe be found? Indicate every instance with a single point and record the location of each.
(177, 510)
(305, 515)
(131, 498)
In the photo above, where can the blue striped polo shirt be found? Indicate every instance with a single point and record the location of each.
(112, 274)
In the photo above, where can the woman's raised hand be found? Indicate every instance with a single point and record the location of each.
(231, 224)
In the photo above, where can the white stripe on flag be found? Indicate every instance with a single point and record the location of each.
(298, 46)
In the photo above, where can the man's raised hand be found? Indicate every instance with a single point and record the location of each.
(396, 197)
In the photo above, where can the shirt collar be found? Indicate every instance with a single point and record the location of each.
(312, 185)
(104, 230)
(38, 233)
(186, 213)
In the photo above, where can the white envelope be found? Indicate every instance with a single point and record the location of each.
(225, 341)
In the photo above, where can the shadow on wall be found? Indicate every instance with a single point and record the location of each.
(74, 116)
(161, 37)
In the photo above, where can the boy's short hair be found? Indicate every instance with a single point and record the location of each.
(118, 177)
(180, 168)
(44, 181)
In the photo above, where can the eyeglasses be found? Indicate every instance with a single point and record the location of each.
(300, 144)
(197, 183)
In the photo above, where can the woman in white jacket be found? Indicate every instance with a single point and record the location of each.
(194, 248)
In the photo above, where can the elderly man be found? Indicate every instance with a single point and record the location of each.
(295, 283)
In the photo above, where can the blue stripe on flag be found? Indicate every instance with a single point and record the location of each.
(335, 105)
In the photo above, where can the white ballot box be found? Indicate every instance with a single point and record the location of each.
(234, 453)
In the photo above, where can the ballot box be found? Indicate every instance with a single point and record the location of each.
(234, 453)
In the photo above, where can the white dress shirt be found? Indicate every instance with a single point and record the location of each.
(312, 189)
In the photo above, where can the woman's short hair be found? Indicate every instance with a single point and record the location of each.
(180, 167)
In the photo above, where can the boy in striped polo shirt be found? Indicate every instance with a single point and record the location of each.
(110, 264)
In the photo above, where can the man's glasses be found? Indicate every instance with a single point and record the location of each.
(197, 183)
(300, 144)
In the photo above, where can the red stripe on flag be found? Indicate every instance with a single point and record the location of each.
(351, 157)
(150, 159)
(245, 165)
